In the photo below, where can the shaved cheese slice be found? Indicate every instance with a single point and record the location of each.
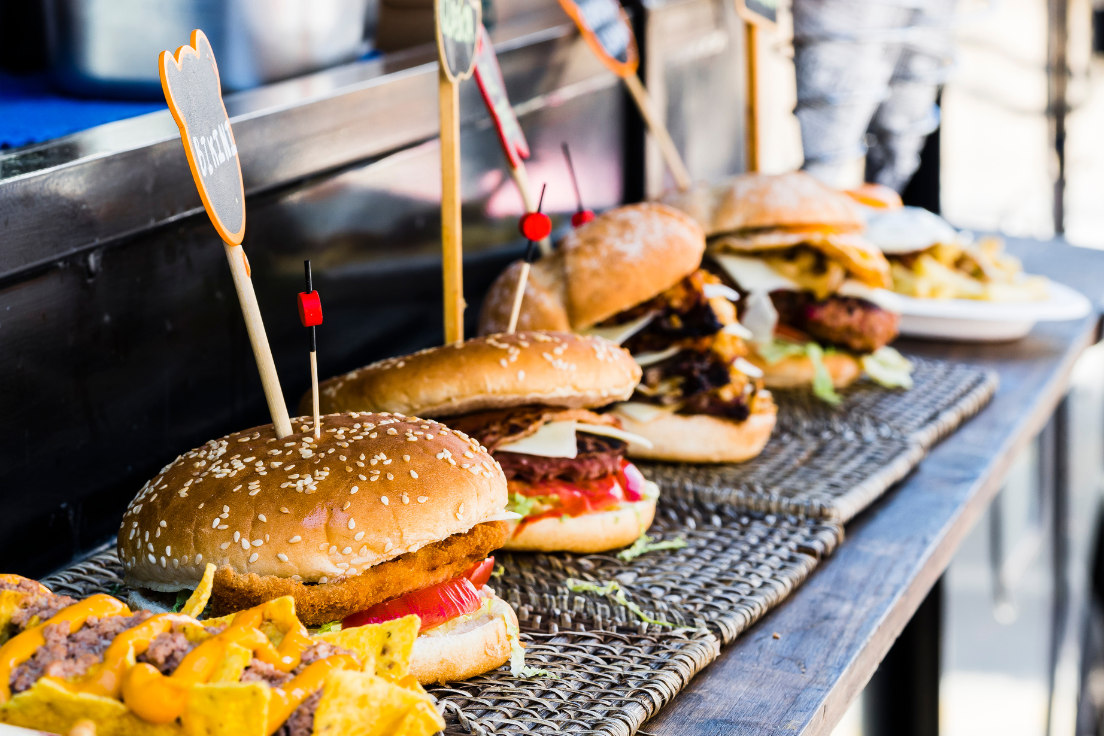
(638, 411)
(754, 275)
(884, 298)
(646, 359)
(737, 329)
(614, 432)
(712, 290)
(554, 439)
(620, 333)
(748, 368)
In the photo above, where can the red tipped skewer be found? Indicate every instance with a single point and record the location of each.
(535, 226)
(581, 216)
(310, 314)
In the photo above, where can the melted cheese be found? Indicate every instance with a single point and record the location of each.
(638, 411)
(614, 432)
(620, 333)
(884, 298)
(715, 290)
(753, 275)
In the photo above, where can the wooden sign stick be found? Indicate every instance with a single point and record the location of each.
(752, 46)
(190, 81)
(457, 24)
(452, 248)
(659, 131)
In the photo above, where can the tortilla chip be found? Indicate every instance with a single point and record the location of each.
(384, 649)
(280, 617)
(361, 704)
(197, 601)
(227, 709)
(232, 666)
(47, 706)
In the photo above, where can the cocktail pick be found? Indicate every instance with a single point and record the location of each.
(581, 216)
(310, 314)
(190, 80)
(535, 226)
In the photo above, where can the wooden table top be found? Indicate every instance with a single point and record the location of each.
(837, 627)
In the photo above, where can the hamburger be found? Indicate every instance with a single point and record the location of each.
(633, 276)
(95, 666)
(813, 291)
(372, 521)
(528, 398)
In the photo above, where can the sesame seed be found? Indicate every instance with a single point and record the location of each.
(423, 499)
(226, 509)
(461, 509)
(214, 524)
(384, 499)
(223, 527)
(262, 517)
(413, 474)
(282, 557)
(429, 436)
(387, 461)
(405, 498)
(333, 549)
(323, 579)
(364, 551)
(354, 489)
(152, 559)
(352, 523)
(237, 536)
(392, 430)
(358, 536)
(168, 550)
(347, 551)
(253, 557)
(459, 516)
(390, 477)
(245, 543)
(406, 458)
(467, 453)
(362, 477)
(224, 545)
(295, 539)
(374, 477)
(258, 542)
(199, 559)
(388, 547)
(284, 510)
(521, 375)
(163, 524)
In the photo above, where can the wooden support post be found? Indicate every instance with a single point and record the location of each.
(659, 131)
(752, 48)
(452, 252)
(254, 326)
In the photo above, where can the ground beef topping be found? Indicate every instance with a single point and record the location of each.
(301, 720)
(66, 655)
(36, 602)
(259, 671)
(167, 650)
(598, 457)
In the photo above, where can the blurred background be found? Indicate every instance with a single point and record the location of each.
(120, 339)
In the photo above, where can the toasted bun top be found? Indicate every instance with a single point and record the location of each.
(626, 256)
(493, 372)
(752, 201)
(544, 306)
(375, 486)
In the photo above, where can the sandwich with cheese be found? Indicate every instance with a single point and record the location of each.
(633, 276)
(929, 259)
(96, 666)
(813, 292)
(367, 522)
(528, 398)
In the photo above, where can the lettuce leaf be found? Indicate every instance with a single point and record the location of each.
(644, 544)
(887, 367)
(327, 628)
(615, 591)
(822, 379)
(525, 505)
(778, 350)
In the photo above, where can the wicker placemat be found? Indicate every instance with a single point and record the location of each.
(832, 462)
(606, 669)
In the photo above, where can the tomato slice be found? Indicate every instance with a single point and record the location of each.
(434, 605)
(632, 480)
(480, 572)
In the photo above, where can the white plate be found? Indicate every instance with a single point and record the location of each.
(971, 319)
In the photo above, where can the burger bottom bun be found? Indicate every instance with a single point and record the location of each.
(476, 646)
(701, 438)
(797, 371)
(597, 532)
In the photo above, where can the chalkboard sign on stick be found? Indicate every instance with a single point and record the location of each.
(190, 80)
(457, 26)
(758, 12)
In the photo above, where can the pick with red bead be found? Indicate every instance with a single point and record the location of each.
(582, 216)
(536, 226)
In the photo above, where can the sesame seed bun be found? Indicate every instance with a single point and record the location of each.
(586, 534)
(276, 513)
(478, 644)
(495, 372)
(623, 257)
(797, 371)
(757, 201)
(700, 438)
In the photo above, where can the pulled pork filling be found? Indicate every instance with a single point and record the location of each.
(701, 377)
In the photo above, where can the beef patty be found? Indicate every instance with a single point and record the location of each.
(846, 321)
(597, 458)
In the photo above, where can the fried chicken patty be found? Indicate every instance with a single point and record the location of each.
(321, 603)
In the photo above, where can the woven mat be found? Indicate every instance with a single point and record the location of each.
(608, 669)
(832, 462)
